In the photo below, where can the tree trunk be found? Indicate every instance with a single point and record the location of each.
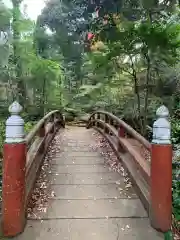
(146, 93)
(136, 89)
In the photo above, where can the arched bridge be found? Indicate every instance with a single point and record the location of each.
(57, 184)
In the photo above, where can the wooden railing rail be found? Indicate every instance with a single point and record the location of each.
(118, 123)
(119, 134)
(38, 141)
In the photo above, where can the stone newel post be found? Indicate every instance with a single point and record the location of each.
(14, 164)
(161, 172)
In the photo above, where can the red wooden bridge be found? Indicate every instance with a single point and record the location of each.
(56, 186)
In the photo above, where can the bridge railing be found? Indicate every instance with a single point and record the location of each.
(151, 177)
(108, 119)
(121, 137)
(38, 141)
(22, 161)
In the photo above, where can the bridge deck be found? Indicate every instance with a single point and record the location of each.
(81, 198)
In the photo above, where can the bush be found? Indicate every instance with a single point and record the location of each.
(70, 114)
(28, 126)
(176, 188)
(2, 136)
(175, 126)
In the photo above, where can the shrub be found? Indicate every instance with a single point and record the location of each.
(175, 125)
(176, 188)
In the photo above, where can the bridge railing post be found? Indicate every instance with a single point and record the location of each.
(51, 120)
(121, 134)
(14, 168)
(160, 211)
(98, 118)
(41, 134)
(93, 119)
(106, 121)
(111, 122)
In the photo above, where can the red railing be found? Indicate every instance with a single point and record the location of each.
(149, 165)
(22, 162)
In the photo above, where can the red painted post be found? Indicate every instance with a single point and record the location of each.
(14, 164)
(121, 132)
(161, 173)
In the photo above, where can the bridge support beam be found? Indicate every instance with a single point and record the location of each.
(161, 173)
(14, 167)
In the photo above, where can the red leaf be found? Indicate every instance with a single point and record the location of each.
(90, 36)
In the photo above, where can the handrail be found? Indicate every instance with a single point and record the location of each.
(144, 165)
(117, 133)
(38, 147)
(36, 128)
(128, 128)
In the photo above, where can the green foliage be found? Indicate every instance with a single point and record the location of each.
(175, 131)
(28, 127)
(176, 187)
(5, 14)
(168, 236)
(123, 51)
(176, 170)
(2, 137)
(176, 194)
